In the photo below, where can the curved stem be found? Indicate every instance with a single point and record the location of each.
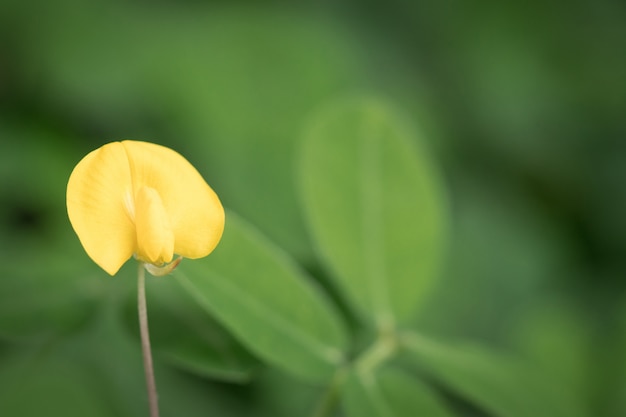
(383, 349)
(145, 342)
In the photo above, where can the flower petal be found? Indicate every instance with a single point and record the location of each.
(155, 238)
(195, 212)
(96, 193)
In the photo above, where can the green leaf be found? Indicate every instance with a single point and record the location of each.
(185, 335)
(374, 206)
(390, 393)
(502, 386)
(259, 294)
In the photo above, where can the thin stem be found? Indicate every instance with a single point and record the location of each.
(384, 348)
(145, 342)
(329, 399)
(380, 351)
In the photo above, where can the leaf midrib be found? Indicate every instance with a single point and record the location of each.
(372, 213)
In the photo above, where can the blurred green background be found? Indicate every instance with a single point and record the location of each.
(522, 105)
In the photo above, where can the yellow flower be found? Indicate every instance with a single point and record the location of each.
(137, 198)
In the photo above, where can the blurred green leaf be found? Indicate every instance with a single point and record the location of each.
(32, 386)
(503, 386)
(559, 338)
(114, 363)
(505, 251)
(49, 285)
(33, 176)
(258, 293)
(374, 206)
(279, 394)
(608, 382)
(182, 333)
(47, 294)
(390, 393)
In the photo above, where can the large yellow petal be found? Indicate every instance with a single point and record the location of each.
(99, 201)
(195, 212)
(155, 238)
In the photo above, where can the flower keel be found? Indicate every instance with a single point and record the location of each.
(155, 238)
